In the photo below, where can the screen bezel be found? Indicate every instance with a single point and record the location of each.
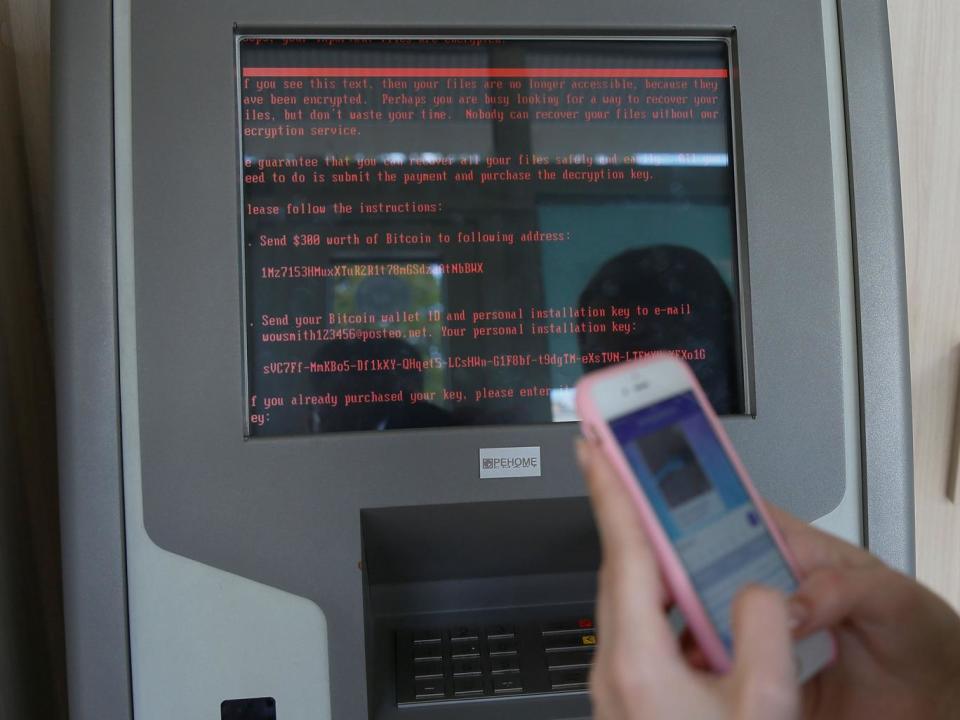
(286, 513)
(743, 346)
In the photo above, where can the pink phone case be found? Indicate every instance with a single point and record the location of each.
(674, 574)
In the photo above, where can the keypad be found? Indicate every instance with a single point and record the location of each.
(573, 659)
(465, 648)
(501, 630)
(495, 660)
(569, 680)
(428, 669)
(507, 684)
(429, 689)
(464, 632)
(467, 667)
(504, 664)
(563, 627)
(426, 636)
(428, 651)
(572, 641)
(467, 686)
(502, 646)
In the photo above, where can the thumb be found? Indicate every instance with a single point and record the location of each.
(763, 671)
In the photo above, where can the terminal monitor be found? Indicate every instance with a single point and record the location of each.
(328, 275)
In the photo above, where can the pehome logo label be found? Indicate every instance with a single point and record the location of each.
(509, 462)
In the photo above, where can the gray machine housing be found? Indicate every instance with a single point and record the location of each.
(300, 514)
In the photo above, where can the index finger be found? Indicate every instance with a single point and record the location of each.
(813, 548)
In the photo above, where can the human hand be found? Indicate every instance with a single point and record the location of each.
(898, 644)
(639, 670)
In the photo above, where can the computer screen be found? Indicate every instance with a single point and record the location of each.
(450, 231)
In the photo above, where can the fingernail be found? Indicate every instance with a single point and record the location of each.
(582, 451)
(798, 613)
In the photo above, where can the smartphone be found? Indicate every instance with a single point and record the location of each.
(705, 520)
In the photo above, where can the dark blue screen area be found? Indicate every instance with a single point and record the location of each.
(702, 504)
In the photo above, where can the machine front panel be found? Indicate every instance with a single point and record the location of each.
(298, 509)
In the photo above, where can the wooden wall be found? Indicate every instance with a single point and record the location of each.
(925, 36)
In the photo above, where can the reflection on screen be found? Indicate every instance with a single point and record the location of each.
(450, 232)
(701, 503)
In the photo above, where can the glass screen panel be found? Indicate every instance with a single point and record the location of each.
(442, 232)
(699, 499)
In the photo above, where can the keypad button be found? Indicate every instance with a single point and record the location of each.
(427, 651)
(568, 642)
(504, 663)
(500, 631)
(464, 687)
(483, 661)
(467, 667)
(428, 689)
(426, 636)
(555, 627)
(428, 669)
(464, 632)
(465, 648)
(505, 646)
(507, 684)
(568, 680)
(574, 658)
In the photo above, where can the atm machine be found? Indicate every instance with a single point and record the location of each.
(328, 272)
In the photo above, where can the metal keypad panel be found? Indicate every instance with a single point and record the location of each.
(500, 660)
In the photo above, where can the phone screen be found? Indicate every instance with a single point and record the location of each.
(701, 503)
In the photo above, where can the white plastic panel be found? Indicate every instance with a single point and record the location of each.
(846, 519)
(198, 635)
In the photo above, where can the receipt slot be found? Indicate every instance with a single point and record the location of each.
(328, 275)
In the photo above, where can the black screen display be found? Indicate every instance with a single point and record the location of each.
(450, 232)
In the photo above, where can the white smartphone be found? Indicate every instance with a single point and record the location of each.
(705, 520)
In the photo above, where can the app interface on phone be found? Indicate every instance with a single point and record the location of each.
(703, 506)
